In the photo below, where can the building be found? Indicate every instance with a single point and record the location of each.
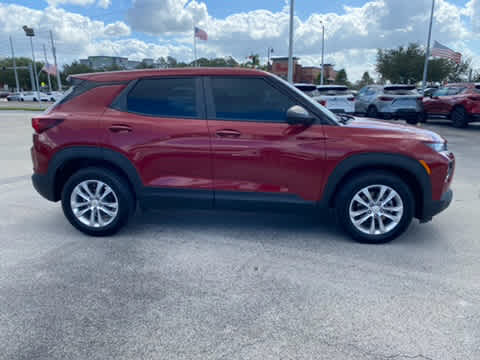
(310, 74)
(132, 64)
(106, 62)
(280, 68)
(148, 61)
(303, 74)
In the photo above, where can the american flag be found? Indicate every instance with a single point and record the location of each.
(49, 69)
(441, 51)
(201, 34)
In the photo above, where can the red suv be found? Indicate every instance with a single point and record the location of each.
(458, 102)
(233, 138)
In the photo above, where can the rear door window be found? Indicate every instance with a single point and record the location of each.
(455, 90)
(165, 97)
(249, 99)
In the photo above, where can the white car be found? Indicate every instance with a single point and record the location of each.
(53, 95)
(308, 89)
(336, 98)
(33, 96)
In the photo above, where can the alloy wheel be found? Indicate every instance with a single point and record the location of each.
(94, 203)
(376, 210)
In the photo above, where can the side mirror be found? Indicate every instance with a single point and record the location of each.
(298, 115)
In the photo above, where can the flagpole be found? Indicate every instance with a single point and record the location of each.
(427, 52)
(194, 48)
(290, 44)
(48, 71)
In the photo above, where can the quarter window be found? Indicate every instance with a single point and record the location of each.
(250, 99)
(171, 97)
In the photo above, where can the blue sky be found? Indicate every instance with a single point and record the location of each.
(154, 28)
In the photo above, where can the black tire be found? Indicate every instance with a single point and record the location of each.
(459, 117)
(412, 120)
(422, 117)
(357, 183)
(126, 200)
(372, 112)
(22, 100)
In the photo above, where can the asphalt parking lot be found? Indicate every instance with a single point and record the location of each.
(211, 285)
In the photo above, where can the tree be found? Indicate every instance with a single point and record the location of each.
(405, 65)
(341, 78)
(7, 75)
(74, 68)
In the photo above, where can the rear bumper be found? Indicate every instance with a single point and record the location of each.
(437, 206)
(43, 185)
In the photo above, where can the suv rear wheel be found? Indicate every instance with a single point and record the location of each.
(459, 117)
(372, 112)
(97, 201)
(375, 207)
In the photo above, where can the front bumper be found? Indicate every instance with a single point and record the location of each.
(437, 206)
(44, 186)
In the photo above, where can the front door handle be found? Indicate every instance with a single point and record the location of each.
(228, 133)
(120, 128)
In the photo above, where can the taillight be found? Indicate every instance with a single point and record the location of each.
(40, 124)
(323, 102)
(385, 98)
(351, 99)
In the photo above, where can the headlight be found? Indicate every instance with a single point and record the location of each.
(438, 147)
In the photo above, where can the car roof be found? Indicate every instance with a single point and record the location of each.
(128, 75)
(467, 85)
(332, 86)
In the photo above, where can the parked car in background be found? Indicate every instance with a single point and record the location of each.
(309, 89)
(230, 138)
(390, 102)
(459, 103)
(336, 98)
(53, 95)
(4, 94)
(14, 96)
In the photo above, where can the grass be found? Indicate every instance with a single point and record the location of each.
(21, 108)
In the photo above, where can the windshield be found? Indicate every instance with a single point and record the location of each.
(323, 109)
(334, 91)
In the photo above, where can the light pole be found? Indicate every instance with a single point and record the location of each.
(323, 54)
(290, 46)
(427, 52)
(269, 52)
(30, 33)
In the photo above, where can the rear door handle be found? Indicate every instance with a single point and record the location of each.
(227, 133)
(120, 128)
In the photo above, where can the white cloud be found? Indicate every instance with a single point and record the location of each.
(352, 35)
(104, 3)
(101, 3)
(117, 28)
(166, 16)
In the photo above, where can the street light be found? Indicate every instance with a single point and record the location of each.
(290, 46)
(427, 52)
(269, 52)
(30, 34)
(323, 53)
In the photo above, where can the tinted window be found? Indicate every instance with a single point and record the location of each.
(441, 92)
(249, 99)
(455, 90)
(163, 97)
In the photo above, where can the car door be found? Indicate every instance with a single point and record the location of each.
(159, 125)
(361, 101)
(258, 158)
(434, 105)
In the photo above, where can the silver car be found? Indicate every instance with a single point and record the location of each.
(390, 102)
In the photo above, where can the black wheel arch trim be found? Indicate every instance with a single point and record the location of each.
(113, 157)
(384, 161)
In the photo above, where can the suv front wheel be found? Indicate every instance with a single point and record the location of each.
(97, 201)
(375, 207)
